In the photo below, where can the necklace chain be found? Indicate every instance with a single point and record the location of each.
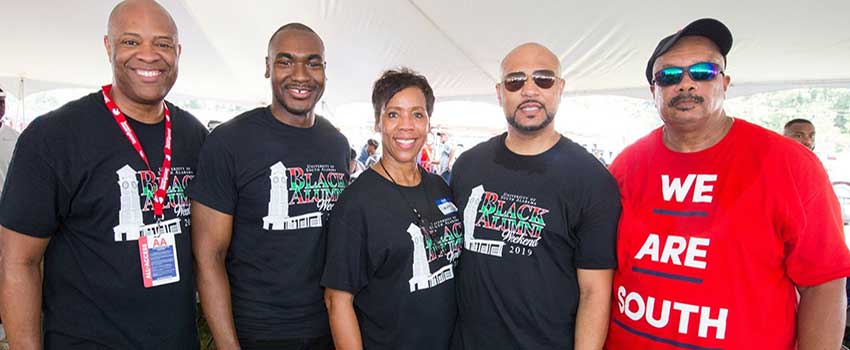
(419, 220)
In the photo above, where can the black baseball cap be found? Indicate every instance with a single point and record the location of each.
(710, 28)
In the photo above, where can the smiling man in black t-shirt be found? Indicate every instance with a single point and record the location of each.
(540, 218)
(101, 179)
(266, 181)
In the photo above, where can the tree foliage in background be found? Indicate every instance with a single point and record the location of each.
(828, 109)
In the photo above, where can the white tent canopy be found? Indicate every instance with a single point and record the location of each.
(603, 45)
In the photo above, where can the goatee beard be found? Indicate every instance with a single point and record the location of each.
(530, 128)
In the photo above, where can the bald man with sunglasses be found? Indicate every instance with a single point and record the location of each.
(540, 216)
(723, 221)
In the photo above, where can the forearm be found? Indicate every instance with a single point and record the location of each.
(214, 290)
(20, 304)
(592, 321)
(211, 234)
(344, 326)
(594, 308)
(821, 316)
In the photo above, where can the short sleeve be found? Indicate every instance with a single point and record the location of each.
(596, 230)
(814, 238)
(214, 184)
(347, 157)
(33, 197)
(618, 168)
(458, 171)
(346, 259)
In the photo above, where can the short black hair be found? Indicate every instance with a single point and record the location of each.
(395, 80)
(795, 121)
(373, 143)
(353, 154)
(293, 26)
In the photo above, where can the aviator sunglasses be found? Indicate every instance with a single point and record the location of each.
(543, 78)
(703, 71)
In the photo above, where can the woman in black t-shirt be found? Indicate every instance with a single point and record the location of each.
(394, 236)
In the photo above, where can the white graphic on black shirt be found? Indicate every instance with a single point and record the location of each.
(130, 221)
(482, 246)
(278, 217)
(422, 276)
(130, 215)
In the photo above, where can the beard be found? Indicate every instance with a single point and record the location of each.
(299, 107)
(531, 128)
(296, 110)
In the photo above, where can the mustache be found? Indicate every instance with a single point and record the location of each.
(543, 106)
(304, 86)
(684, 97)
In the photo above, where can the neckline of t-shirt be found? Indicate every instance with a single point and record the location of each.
(141, 124)
(267, 112)
(388, 182)
(733, 130)
(504, 148)
(98, 99)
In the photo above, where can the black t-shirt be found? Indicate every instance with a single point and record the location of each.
(278, 182)
(402, 278)
(530, 222)
(76, 179)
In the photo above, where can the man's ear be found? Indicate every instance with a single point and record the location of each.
(108, 47)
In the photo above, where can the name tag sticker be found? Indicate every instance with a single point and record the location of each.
(446, 206)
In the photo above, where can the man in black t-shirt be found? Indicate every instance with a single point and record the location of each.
(101, 179)
(540, 217)
(266, 181)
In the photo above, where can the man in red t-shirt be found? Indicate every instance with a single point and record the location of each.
(723, 222)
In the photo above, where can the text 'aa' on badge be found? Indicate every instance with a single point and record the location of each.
(446, 206)
(158, 255)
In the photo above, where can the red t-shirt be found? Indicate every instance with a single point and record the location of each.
(711, 244)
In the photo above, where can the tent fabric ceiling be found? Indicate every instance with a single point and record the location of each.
(458, 45)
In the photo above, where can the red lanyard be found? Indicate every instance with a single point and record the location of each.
(159, 195)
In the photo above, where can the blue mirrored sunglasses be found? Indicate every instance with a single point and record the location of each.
(703, 71)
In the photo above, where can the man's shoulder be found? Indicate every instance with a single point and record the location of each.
(180, 115)
(80, 110)
(647, 142)
(70, 120)
(328, 130)
(775, 150)
(480, 151)
(577, 160)
(573, 152)
(239, 127)
(641, 151)
(332, 139)
(248, 119)
(760, 137)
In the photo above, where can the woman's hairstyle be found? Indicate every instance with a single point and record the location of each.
(393, 81)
